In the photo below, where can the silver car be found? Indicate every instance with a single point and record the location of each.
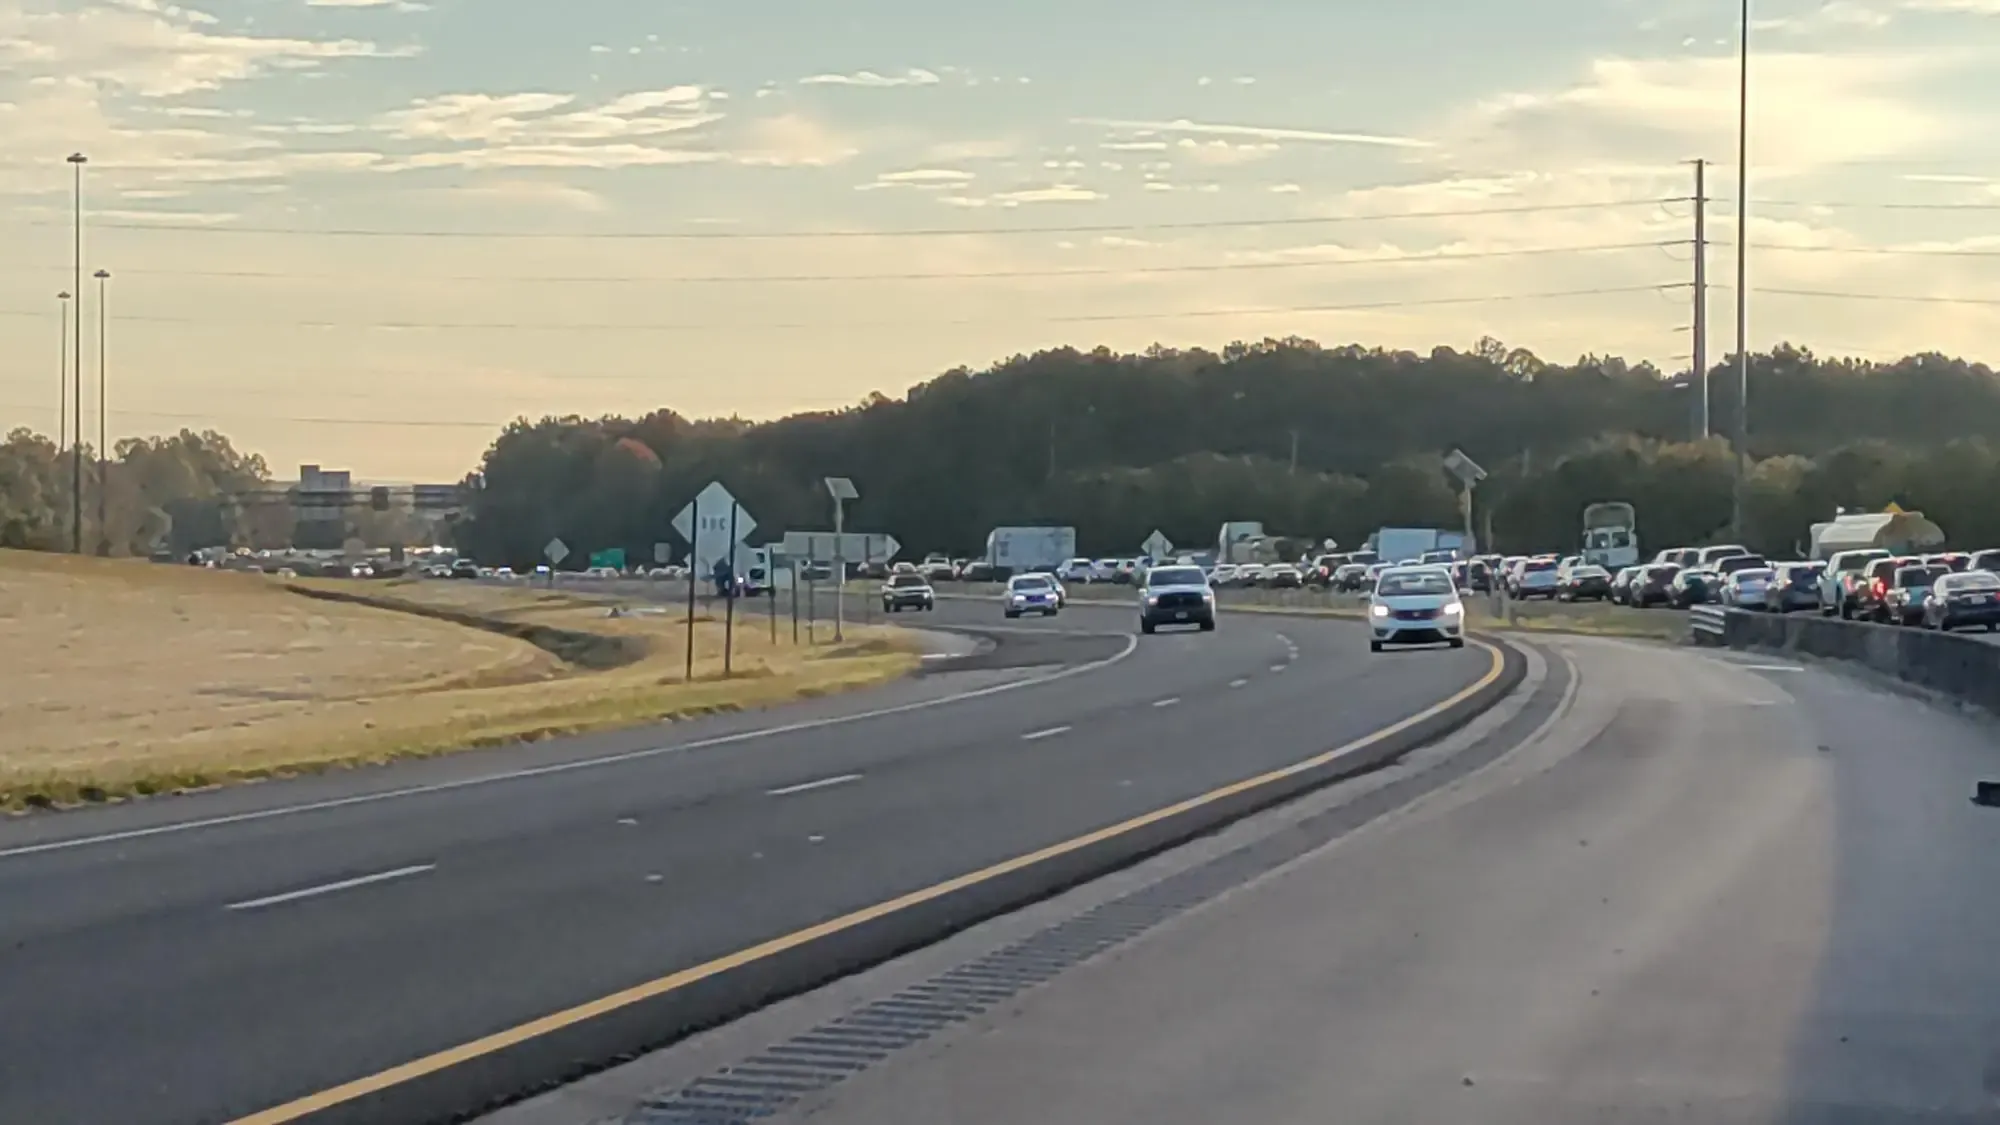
(1415, 605)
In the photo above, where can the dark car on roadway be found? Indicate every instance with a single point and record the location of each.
(1176, 595)
(1797, 587)
(1585, 582)
(1903, 601)
(907, 591)
(1654, 585)
(1964, 601)
(464, 568)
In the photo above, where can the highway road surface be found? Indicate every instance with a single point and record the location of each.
(274, 953)
(1715, 888)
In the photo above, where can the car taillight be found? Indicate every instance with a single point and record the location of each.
(1881, 586)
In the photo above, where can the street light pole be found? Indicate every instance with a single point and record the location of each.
(62, 374)
(1742, 273)
(76, 161)
(103, 454)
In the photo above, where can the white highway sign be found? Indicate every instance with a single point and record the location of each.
(710, 540)
(847, 546)
(1157, 545)
(556, 552)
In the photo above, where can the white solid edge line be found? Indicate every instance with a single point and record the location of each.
(1166, 702)
(809, 786)
(1238, 683)
(1131, 645)
(1049, 733)
(329, 888)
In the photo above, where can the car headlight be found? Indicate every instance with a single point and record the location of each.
(1152, 599)
(1378, 611)
(1453, 609)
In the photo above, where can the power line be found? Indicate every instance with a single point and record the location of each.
(1878, 251)
(1076, 318)
(1864, 205)
(922, 232)
(1910, 298)
(1413, 257)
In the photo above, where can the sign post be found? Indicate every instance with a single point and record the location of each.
(555, 552)
(710, 538)
(842, 490)
(729, 598)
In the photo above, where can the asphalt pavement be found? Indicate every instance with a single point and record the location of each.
(1716, 888)
(220, 957)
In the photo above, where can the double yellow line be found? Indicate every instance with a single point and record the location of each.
(661, 986)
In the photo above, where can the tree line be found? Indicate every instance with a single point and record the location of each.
(1313, 441)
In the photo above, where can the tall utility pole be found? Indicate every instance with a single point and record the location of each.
(1701, 288)
(76, 161)
(1295, 453)
(1742, 274)
(62, 374)
(103, 456)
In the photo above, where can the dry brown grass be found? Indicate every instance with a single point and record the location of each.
(139, 678)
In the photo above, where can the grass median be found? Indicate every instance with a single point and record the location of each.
(133, 678)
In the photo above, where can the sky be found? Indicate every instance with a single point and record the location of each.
(367, 233)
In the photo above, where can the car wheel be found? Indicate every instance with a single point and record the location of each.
(1458, 642)
(1374, 646)
(1208, 626)
(1146, 627)
(1013, 613)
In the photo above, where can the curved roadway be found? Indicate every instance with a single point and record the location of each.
(1714, 888)
(208, 958)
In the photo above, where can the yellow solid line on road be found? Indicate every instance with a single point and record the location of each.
(569, 1017)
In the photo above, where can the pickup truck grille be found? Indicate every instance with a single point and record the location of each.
(1180, 599)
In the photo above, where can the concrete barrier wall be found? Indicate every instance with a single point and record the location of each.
(1963, 667)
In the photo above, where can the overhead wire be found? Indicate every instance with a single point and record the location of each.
(1411, 258)
(1072, 318)
(920, 232)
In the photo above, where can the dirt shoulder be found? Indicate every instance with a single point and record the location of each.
(133, 678)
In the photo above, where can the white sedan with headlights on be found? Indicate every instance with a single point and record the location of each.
(1415, 605)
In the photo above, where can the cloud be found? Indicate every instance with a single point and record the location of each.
(396, 5)
(1221, 152)
(1285, 189)
(1257, 132)
(792, 140)
(522, 193)
(1809, 111)
(1964, 7)
(920, 179)
(911, 77)
(154, 49)
(1048, 193)
(1056, 193)
(530, 117)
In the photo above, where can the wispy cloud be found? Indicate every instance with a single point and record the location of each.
(1260, 132)
(912, 77)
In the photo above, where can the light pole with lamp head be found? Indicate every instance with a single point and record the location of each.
(76, 161)
(62, 374)
(1742, 274)
(103, 455)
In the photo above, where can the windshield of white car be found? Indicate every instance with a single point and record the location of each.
(907, 581)
(1029, 582)
(1413, 582)
(1176, 576)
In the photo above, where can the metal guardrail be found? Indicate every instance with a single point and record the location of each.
(1706, 620)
